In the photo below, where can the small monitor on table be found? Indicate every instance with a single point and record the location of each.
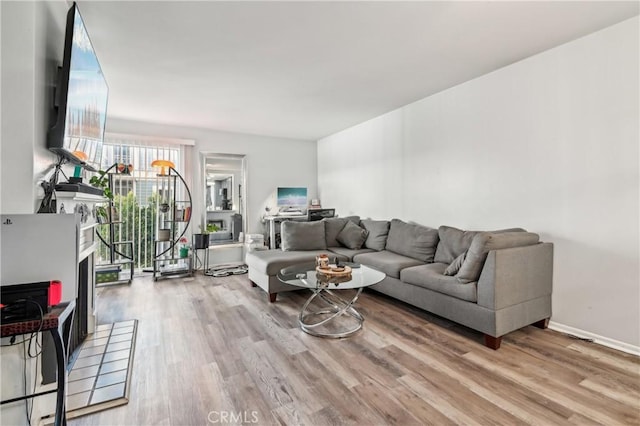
(292, 198)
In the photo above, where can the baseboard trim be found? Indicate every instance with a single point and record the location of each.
(601, 340)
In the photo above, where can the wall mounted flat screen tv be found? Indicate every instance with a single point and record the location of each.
(292, 197)
(80, 99)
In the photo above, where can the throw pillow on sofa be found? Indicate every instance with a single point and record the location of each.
(334, 225)
(453, 242)
(352, 236)
(378, 233)
(483, 243)
(412, 240)
(455, 266)
(303, 236)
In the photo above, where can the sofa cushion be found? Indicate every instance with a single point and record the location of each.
(378, 232)
(453, 242)
(333, 226)
(502, 231)
(352, 236)
(412, 240)
(432, 277)
(303, 235)
(454, 266)
(483, 243)
(347, 252)
(271, 261)
(386, 261)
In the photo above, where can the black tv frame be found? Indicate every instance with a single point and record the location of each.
(56, 134)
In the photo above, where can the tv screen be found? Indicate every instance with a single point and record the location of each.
(81, 96)
(292, 197)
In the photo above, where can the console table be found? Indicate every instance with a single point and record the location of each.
(58, 322)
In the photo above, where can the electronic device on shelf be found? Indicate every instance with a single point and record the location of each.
(57, 237)
(79, 187)
(22, 302)
(80, 100)
(319, 214)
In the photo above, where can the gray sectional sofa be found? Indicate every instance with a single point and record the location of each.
(493, 282)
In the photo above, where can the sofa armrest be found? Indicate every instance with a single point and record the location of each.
(515, 275)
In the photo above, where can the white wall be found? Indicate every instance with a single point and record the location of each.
(32, 41)
(549, 143)
(271, 162)
(32, 45)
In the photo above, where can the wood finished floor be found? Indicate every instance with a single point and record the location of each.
(209, 346)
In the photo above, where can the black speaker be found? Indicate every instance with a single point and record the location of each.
(236, 226)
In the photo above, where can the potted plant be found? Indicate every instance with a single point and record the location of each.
(184, 248)
(201, 241)
(101, 180)
(212, 228)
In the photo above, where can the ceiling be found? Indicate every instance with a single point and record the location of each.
(305, 70)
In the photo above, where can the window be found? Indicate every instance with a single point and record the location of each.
(135, 193)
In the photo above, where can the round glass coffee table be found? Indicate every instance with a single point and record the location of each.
(337, 317)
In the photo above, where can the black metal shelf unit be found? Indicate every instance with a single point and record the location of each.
(173, 219)
(120, 253)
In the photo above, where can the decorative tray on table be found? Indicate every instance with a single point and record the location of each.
(333, 274)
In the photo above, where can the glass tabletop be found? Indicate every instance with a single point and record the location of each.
(304, 275)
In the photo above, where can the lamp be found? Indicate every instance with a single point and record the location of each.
(162, 164)
(81, 155)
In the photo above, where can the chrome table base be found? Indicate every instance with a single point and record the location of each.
(337, 308)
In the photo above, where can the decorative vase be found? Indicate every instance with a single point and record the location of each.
(322, 261)
(184, 252)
